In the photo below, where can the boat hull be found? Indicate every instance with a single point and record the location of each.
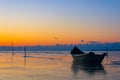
(89, 58)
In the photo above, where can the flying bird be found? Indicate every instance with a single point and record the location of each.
(55, 38)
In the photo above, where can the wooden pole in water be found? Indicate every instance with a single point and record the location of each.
(12, 48)
(25, 52)
(107, 52)
(25, 55)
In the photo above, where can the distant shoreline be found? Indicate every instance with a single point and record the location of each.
(113, 46)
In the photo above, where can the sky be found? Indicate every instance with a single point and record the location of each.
(50, 22)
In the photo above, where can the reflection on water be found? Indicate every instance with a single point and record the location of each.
(88, 68)
(25, 61)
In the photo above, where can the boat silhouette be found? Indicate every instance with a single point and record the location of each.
(91, 57)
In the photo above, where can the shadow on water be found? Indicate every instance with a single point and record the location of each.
(90, 69)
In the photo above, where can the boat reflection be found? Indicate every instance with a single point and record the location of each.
(90, 69)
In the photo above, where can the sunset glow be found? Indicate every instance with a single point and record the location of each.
(50, 22)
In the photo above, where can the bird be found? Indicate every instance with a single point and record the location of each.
(55, 38)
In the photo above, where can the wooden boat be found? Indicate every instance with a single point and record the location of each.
(91, 57)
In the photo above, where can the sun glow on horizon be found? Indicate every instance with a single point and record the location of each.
(39, 22)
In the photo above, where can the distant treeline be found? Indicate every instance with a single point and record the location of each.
(114, 46)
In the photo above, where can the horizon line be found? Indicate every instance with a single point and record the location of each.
(59, 44)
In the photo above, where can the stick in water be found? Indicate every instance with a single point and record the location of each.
(12, 48)
(25, 52)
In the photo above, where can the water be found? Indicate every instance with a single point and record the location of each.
(56, 65)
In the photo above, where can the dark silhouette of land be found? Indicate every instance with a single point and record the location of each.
(112, 46)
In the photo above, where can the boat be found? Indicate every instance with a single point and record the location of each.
(90, 58)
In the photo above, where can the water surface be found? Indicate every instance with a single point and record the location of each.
(56, 65)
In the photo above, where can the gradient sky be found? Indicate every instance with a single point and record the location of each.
(31, 22)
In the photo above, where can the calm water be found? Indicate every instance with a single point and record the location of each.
(53, 65)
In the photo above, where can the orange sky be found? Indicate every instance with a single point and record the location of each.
(39, 22)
